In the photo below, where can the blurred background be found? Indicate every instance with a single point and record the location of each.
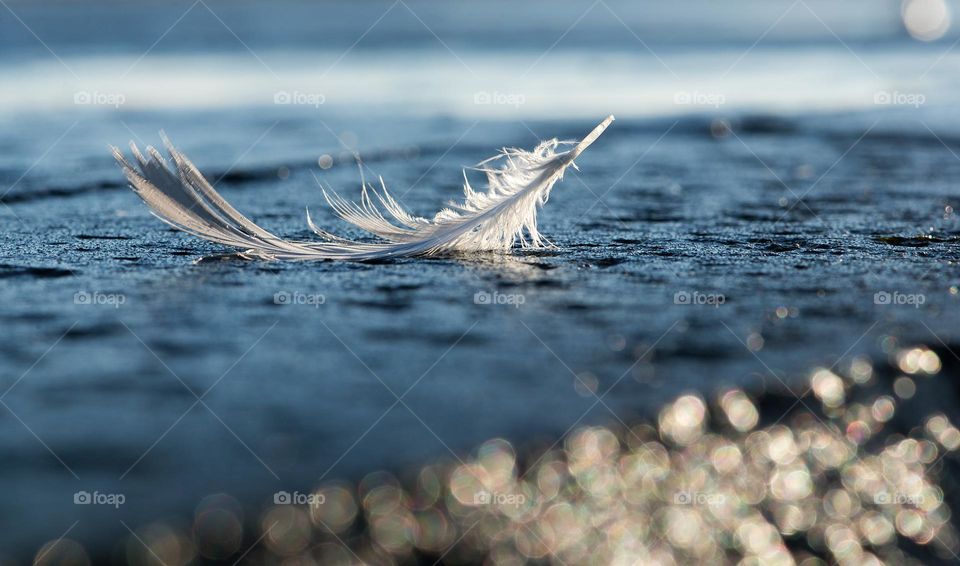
(536, 59)
(777, 194)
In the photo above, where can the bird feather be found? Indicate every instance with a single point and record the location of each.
(518, 184)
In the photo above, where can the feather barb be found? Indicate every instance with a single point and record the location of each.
(518, 184)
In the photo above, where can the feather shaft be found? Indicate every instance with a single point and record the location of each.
(518, 184)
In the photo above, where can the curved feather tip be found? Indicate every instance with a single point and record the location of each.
(518, 184)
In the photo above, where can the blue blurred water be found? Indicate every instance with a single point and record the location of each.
(798, 196)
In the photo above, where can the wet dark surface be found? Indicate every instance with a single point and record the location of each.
(186, 379)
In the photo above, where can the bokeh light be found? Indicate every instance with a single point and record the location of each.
(722, 482)
(926, 20)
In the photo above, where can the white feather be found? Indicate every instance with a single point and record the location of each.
(519, 182)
